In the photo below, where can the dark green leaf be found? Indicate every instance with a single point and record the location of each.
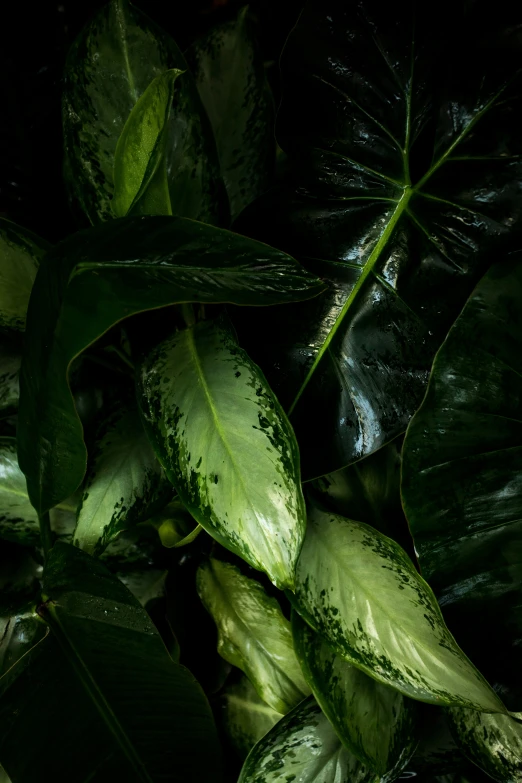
(10, 359)
(21, 252)
(107, 687)
(140, 167)
(125, 482)
(405, 166)
(492, 742)
(253, 634)
(437, 752)
(361, 592)
(100, 276)
(18, 519)
(303, 748)
(246, 717)
(232, 84)
(108, 69)
(376, 723)
(462, 478)
(226, 445)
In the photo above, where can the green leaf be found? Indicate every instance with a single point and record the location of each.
(253, 634)
(402, 184)
(97, 278)
(21, 252)
(18, 518)
(376, 723)
(492, 742)
(140, 153)
(125, 482)
(109, 68)
(226, 445)
(437, 752)
(361, 592)
(103, 673)
(462, 478)
(10, 359)
(303, 748)
(231, 80)
(175, 525)
(246, 718)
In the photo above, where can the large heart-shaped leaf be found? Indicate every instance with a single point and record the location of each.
(140, 166)
(21, 252)
(110, 65)
(231, 80)
(492, 742)
(402, 132)
(303, 747)
(253, 634)
(226, 445)
(361, 592)
(125, 482)
(98, 277)
(375, 722)
(108, 688)
(246, 718)
(462, 478)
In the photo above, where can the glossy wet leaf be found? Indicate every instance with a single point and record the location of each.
(303, 747)
(226, 445)
(462, 487)
(110, 66)
(404, 170)
(492, 742)
(125, 482)
(140, 167)
(18, 518)
(375, 722)
(10, 359)
(245, 716)
(230, 77)
(361, 592)
(102, 275)
(102, 673)
(21, 252)
(253, 633)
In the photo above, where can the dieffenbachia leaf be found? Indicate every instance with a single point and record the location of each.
(226, 445)
(125, 482)
(140, 167)
(253, 634)
(361, 592)
(21, 253)
(245, 716)
(492, 742)
(102, 673)
(375, 722)
(403, 177)
(110, 66)
(18, 518)
(462, 478)
(231, 80)
(10, 359)
(97, 278)
(303, 747)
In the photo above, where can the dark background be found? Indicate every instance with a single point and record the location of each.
(35, 38)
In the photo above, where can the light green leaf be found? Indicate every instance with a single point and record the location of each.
(492, 742)
(175, 525)
(10, 359)
(226, 445)
(109, 67)
(231, 80)
(18, 519)
(124, 484)
(253, 633)
(246, 717)
(139, 161)
(20, 254)
(303, 748)
(361, 592)
(375, 722)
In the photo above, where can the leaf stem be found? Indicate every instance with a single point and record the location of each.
(46, 534)
(187, 312)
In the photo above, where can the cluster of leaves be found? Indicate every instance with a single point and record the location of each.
(175, 601)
